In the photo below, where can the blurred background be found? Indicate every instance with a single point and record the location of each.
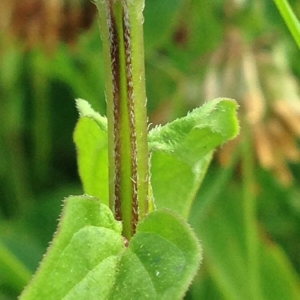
(247, 212)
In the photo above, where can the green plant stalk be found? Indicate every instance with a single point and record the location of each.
(290, 19)
(122, 34)
(250, 213)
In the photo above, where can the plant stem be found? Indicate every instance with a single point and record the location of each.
(122, 35)
(250, 213)
(290, 19)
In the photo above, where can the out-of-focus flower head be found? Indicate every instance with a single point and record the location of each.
(258, 76)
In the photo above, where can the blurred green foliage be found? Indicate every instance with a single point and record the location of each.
(249, 224)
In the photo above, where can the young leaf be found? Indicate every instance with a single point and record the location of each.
(86, 110)
(91, 144)
(174, 182)
(83, 257)
(181, 153)
(182, 149)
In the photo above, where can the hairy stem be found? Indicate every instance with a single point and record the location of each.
(122, 35)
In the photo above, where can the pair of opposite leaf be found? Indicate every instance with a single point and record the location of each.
(88, 258)
(180, 152)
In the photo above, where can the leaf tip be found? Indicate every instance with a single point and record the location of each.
(85, 110)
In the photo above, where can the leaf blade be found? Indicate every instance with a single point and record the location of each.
(92, 157)
(86, 227)
(182, 151)
(164, 255)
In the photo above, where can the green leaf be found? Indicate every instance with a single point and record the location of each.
(86, 110)
(83, 257)
(182, 151)
(161, 261)
(91, 143)
(88, 259)
(174, 182)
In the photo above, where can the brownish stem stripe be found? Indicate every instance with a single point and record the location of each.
(116, 68)
(115, 65)
(130, 104)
